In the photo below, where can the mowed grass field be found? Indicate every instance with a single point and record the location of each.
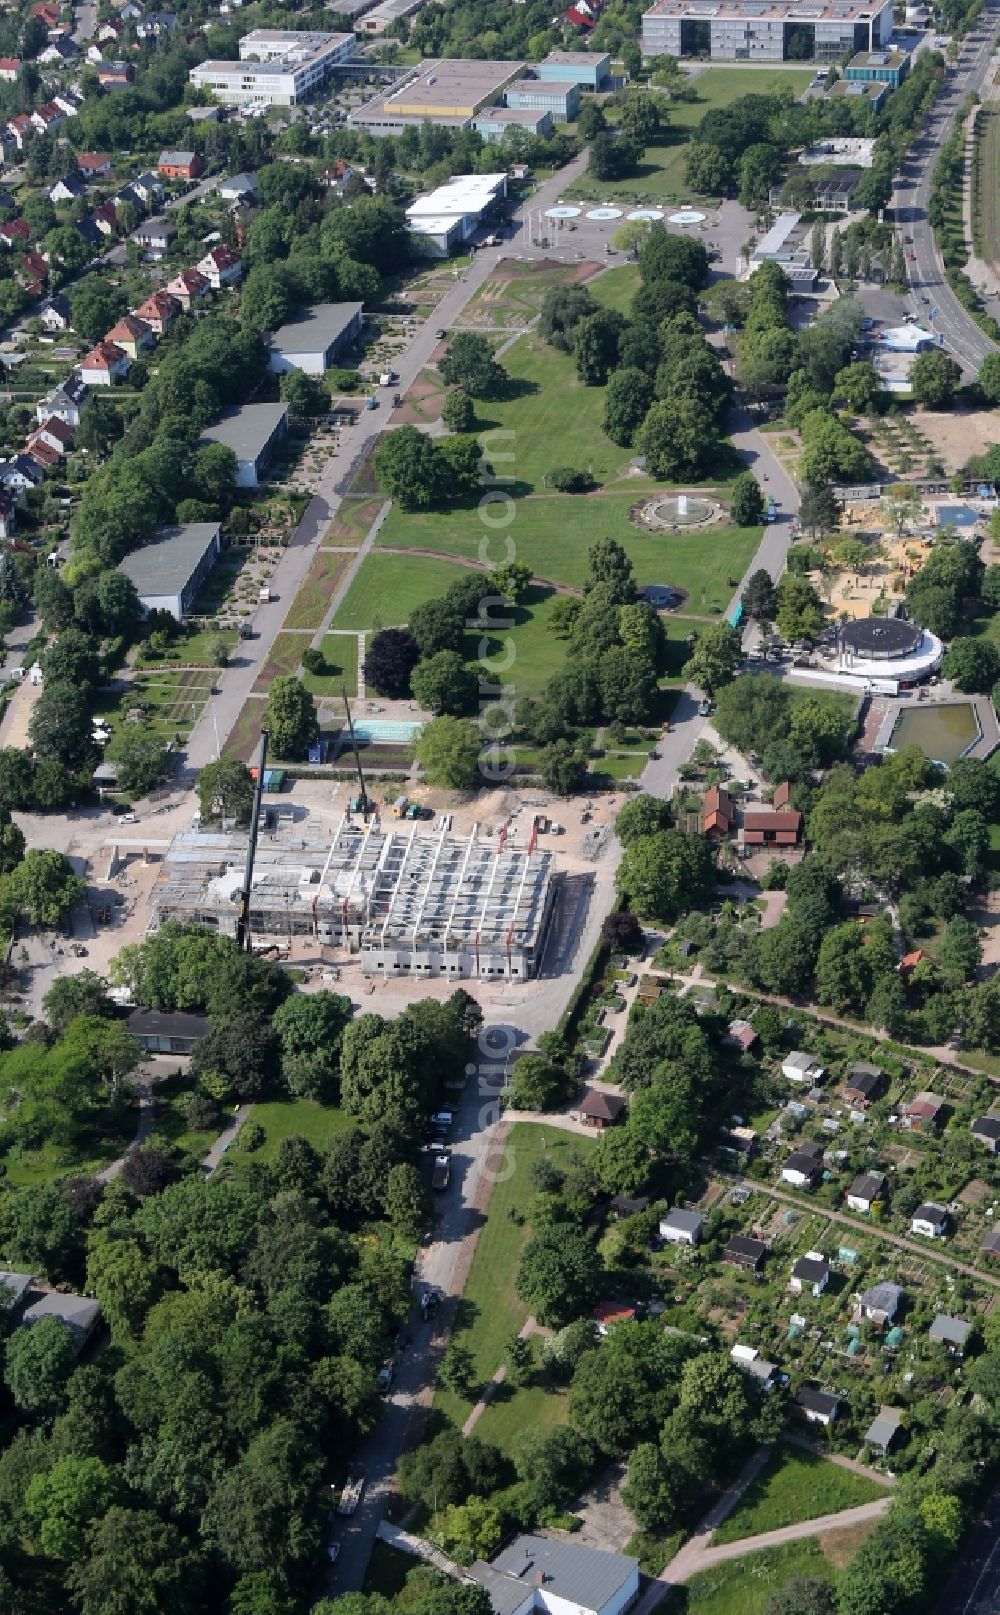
(659, 177)
(552, 534)
(745, 1586)
(388, 587)
(986, 199)
(795, 1485)
(291, 1118)
(616, 288)
(490, 1310)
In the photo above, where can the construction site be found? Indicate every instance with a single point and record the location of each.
(408, 902)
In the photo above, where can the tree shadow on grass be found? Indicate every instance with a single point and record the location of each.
(512, 388)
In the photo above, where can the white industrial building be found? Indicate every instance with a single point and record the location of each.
(314, 339)
(409, 903)
(253, 432)
(168, 571)
(278, 67)
(763, 30)
(451, 214)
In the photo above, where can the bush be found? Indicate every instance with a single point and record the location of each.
(252, 1136)
(314, 661)
(566, 479)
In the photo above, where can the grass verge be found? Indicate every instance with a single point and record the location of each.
(795, 1485)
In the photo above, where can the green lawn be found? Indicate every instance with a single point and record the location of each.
(196, 650)
(552, 420)
(490, 1310)
(745, 1586)
(289, 1118)
(341, 653)
(528, 652)
(617, 287)
(387, 587)
(552, 533)
(660, 175)
(795, 1485)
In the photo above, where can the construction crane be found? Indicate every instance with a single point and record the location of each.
(364, 804)
(243, 912)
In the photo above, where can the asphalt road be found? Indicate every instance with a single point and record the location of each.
(974, 1586)
(928, 287)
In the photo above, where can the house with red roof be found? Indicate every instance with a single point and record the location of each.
(33, 272)
(132, 335)
(54, 433)
(14, 233)
(763, 827)
(106, 219)
(11, 68)
(105, 364)
(93, 164)
(607, 1313)
(187, 286)
(45, 456)
(718, 812)
(46, 12)
(159, 312)
(221, 267)
(20, 128)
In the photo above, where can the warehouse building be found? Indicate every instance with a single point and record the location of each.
(448, 92)
(381, 17)
(313, 341)
(278, 67)
(766, 30)
(253, 432)
(447, 217)
(581, 67)
(168, 571)
(408, 903)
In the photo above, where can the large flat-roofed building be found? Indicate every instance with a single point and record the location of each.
(537, 95)
(448, 92)
(878, 67)
(168, 571)
(313, 340)
(382, 16)
(407, 902)
(581, 67)
(493, 122)
(278, 67)
(448, 216)
(779, 246)
(252, 432)
(763, 30)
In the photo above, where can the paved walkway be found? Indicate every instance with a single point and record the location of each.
(687, 1562)
(844, 1521)
(529, 1327)
(838, 1458)
(225, 1139)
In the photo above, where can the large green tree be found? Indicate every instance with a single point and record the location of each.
(290, 718)
(661, 875)
(559, 1275)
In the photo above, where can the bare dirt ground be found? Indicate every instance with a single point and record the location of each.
(960, 433)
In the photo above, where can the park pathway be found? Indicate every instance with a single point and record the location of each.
(529, 1327)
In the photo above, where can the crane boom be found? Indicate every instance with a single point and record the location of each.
(243, 912)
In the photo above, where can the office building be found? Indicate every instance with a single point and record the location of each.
(407, 902)
(447, 92)
(447, 217)
(493, 123)
(535, 95)
(766, 30)
(278, 67)
(581, 67)
(878, 67)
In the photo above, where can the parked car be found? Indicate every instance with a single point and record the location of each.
(333, 1552)
(128, 818)
(385, 1377)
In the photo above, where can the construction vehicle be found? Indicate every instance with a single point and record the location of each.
(400, 806)
(243, 942)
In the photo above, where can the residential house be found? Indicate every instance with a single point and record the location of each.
(116, 76)
(33, 272)
(880, 1304)
(187, 286)
(742, 1034)
(47, 457)
(129, 194)
(749, 1254)
(130, 11)
(11, 68)
(47, 12)
(810, 1273)
(950, 1332)
(601, 1110)
(66, 403)
(621, 1206)
(681, 1227)
(105, 364)
(765, 827)
(55, 316)
(90, 233)
(800, 1067)
(8, 514)
(782, 795)
(240, 188)
(537, 1575)
(909, 962)
(48, 117)
(53, 432)
(159, 312)
(21, 474)
(991, 1244)
(112, 31)
(79, 1313)
(20, 128)
(106, 219)
(750, 1361)
(804, 1167)
(865, 1191)
(718, 812)
(67, 189)
(150, 188)
(67, 101)
(817, 1407)
(885, 1430)
(132, 335)
(607, 1313)
(156, 23)
(924, 1113)
(60, 50)
(864, 1084)
(179, 164)
(94, 164)
(154, 238)
(221, 267)
(929, 1220)
(986, 1131)
(15, 233)
(166, 1032)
